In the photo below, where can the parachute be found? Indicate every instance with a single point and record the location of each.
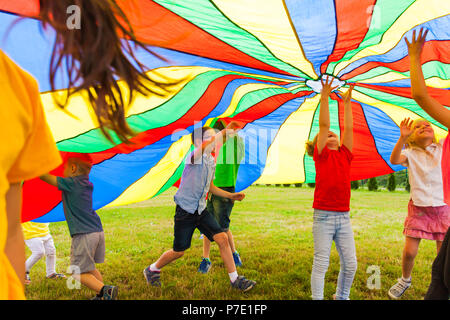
(258, 62)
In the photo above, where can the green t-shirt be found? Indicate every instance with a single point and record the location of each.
(227, 165)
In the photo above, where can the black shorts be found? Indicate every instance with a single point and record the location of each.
(221, 208)
(185, 224)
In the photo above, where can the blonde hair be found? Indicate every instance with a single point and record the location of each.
(410, 142)
(311, 145)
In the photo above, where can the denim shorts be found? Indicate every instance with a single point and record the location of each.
(221, 208)
(186, 223)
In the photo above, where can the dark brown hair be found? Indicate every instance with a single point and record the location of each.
(94, 58)
(199, 132)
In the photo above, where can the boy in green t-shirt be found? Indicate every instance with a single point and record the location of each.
(227, 166)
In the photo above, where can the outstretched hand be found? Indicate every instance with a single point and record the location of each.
(326, 86)
(406, 128)
(416, 45)
(347, 97)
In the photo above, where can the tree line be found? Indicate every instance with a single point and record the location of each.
(390, 182)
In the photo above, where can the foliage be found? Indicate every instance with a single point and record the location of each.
(391, 182)
(354, 184)
(373, 184)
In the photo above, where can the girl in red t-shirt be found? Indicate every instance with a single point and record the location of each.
(332, 198)
(440, 275)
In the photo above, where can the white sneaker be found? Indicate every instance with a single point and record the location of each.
(398, 289)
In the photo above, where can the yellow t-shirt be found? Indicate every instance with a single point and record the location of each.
(35, 230)
(27, 150)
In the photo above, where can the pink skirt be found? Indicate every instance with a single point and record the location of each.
(427, 222)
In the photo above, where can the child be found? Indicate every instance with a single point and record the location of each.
(428, 215)
(228, 160)
(39, 240)
(85, 227)
(33, 152)
(440, 276)
(27, 150)
(332, 198)
(191, 210)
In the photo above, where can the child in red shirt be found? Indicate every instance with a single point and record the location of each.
(332, 198)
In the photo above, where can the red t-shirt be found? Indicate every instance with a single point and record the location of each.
(332, 191)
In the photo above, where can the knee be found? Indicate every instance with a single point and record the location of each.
(409, 254)
(38, 253)
(321, 262)
(221, 239)
(351, 266)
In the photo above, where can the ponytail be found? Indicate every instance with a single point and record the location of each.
(311, 145)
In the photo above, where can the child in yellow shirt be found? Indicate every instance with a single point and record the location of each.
(39, 240)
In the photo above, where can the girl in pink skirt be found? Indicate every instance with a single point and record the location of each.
(428, 215)
(440, 276)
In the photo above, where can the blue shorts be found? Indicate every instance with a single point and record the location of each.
(186, 223)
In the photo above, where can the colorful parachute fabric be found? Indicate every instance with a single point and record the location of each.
(255, 61)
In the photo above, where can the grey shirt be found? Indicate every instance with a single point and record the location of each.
(195, 182)
(77, 203)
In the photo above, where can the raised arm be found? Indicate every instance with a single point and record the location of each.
(50, 179)
(324, 114)
(347, 137)
(219, 138)
(405, 131)
(418, 86)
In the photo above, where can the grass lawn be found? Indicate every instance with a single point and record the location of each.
(272, 229)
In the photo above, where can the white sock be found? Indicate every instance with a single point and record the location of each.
(154, 268)
(406, 280)
(233, 276)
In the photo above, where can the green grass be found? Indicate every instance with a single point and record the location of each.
(272, 229)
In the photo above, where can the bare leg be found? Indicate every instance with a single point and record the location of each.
(206, 247)
(222, 241)
(97, 275)
(231, 241)
(167, 257)
(409, 254)
(89, 280)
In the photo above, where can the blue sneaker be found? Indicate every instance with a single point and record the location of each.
(237, 259)
(153, 278)
(109, 293)
(205, 265)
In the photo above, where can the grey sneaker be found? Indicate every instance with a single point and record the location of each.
(398, 289)
(153, 277)
(56, 276)
(243, 284)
